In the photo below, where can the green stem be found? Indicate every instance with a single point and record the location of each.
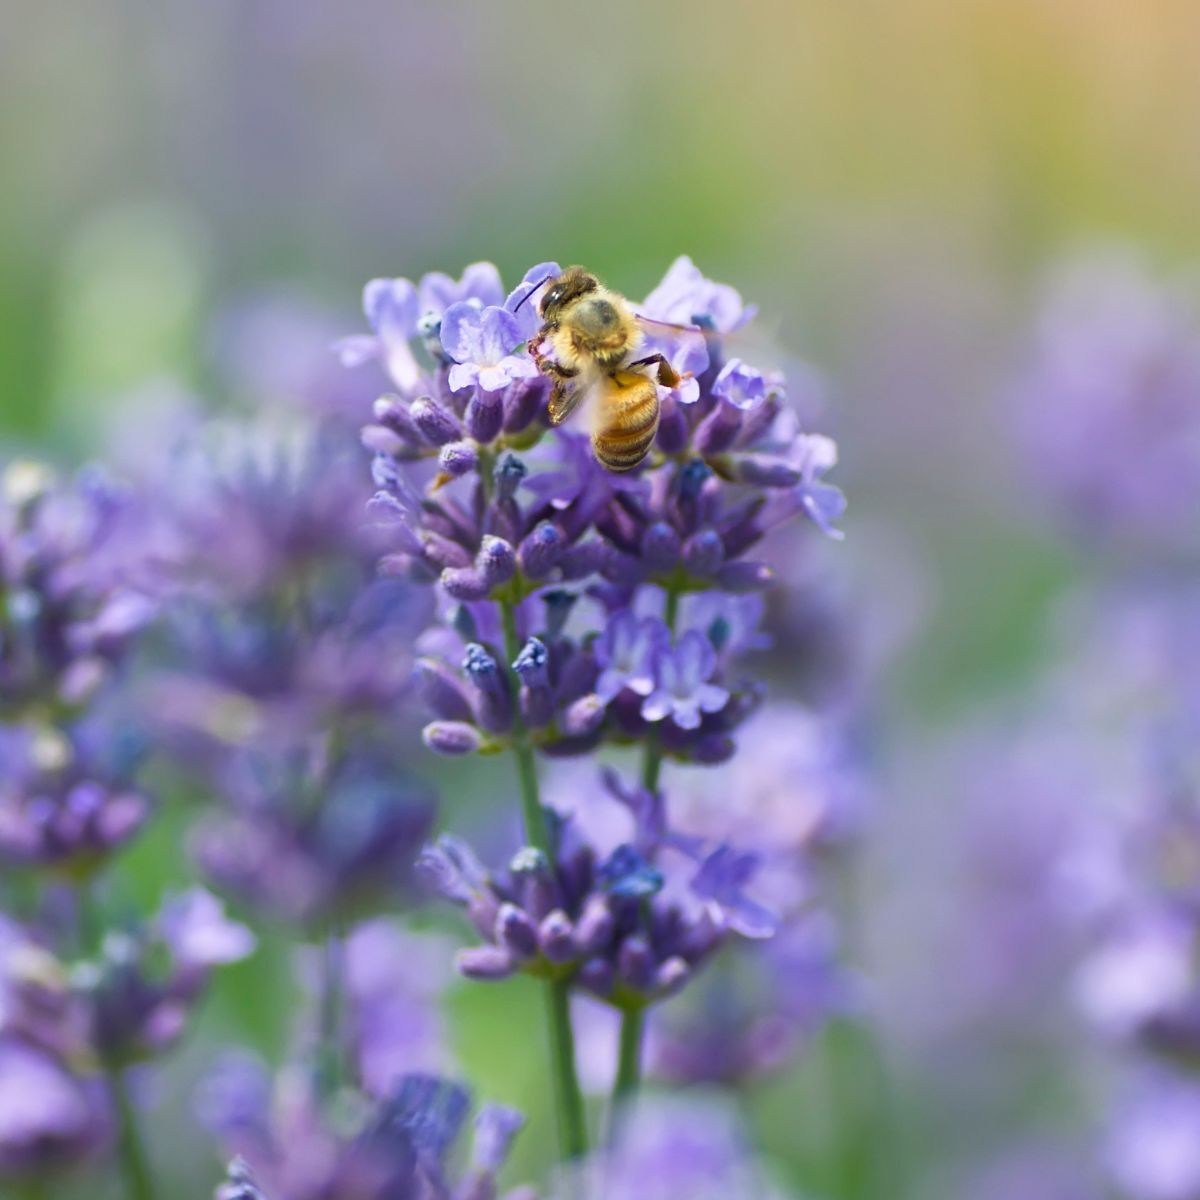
(134, 1167)
(330, 1047)
(629, 1063)
(572, 1124)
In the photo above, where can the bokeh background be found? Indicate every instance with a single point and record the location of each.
(889, 179)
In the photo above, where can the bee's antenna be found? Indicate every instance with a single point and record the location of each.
(533, 289)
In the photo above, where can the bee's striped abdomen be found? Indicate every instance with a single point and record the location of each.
(627, 420)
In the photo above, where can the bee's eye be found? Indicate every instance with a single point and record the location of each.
(553, 296)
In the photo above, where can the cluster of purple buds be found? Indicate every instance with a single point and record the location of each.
(67, 796)
(130, 999)
(308, 832)
(509, 518)
(631, 926)
(568, 693)
(290, 1146)
(64, 1025)
(275, 620)
(73, 594)
(54, 1111)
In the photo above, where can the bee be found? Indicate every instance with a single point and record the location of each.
(593, 335)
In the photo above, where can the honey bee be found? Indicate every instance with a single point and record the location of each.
(593, 334)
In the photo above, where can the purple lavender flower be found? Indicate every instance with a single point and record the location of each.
(481, 343)
(74, 582)
(623, 924)
(67, 799)
(682, 689)
(742, 386)
(136, 995)
(1110, 402)
(304, 837)
(50, 1119)
(686, 297)
(679, 1147)
(374, 1150)
(399, 311)
(627, 653)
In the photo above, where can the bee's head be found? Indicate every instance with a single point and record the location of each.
(570, 285)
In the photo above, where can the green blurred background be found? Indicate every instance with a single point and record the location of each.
(887, 178)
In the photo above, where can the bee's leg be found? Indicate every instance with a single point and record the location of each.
(667, 375)
(563, 397)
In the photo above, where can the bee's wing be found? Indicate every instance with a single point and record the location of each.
(653, 326)
(757, 342)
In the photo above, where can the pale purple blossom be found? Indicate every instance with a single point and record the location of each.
(482, 343)
(627, 653)
(682, 687)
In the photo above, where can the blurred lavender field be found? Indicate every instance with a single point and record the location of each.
(958, 743)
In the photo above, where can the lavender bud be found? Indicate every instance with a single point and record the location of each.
(516, 932)
(704, 552)
(672, 437)
(759, 419)
(507, 476)
(482, 909)
(718, 431)
(442, 552)
(438, 425)
(596, 975)
(583, 559)
(763, 471)
(485, 962)
(559, 604)
(621, 568)
(392, 412)
(532, 664)
(540, 893)
(745, 577)
(660, 546)
(484, 415)
(458, 458)
(670, 977)
(540, 550)
(442, 690)
(713, 749)
(583, 717)
(691, 478)
(453, 738)
(496, 561)
(494, 701)
(378, 439)
(529, 860)
(556, 936)
(522, 402)
(577, 674)
(465, 583)
(594, 928)
(537, 706)
(635, 962)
